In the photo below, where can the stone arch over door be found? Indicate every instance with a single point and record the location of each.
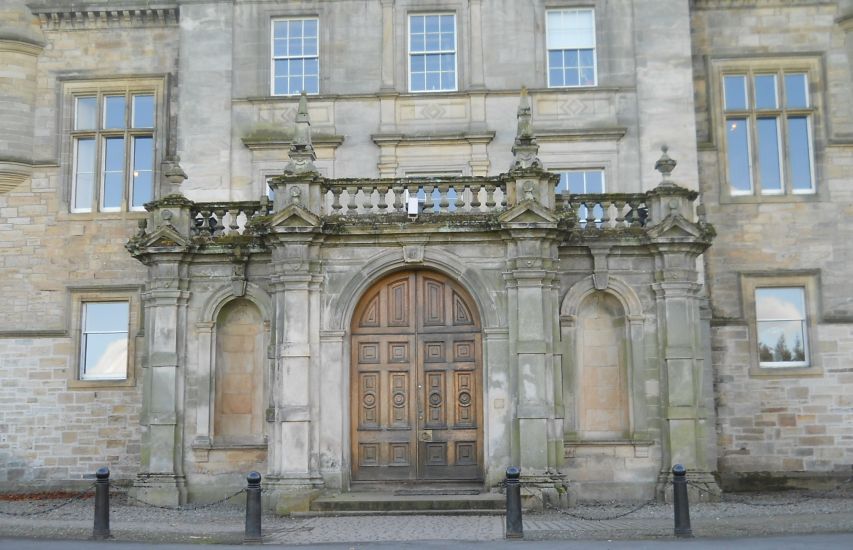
(416, 381)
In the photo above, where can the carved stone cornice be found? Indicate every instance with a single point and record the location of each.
(85, 15)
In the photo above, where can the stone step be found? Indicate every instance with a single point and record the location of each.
(417, 502)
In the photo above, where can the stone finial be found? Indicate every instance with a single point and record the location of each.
(665, 165)
(525, 127)
(525, 149)
(301, 152)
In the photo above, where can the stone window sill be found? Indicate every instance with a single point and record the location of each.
(784, 372)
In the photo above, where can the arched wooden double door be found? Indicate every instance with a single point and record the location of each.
(416, 381)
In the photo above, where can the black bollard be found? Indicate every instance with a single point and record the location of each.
(681, 505)
(253, 508)
(514, 528)
(101, 529)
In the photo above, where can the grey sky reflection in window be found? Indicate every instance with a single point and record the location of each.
(103, 343)
(781, 326)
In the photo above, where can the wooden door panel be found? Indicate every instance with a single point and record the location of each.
(383, 383)
(416, 382)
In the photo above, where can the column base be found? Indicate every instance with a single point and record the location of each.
(701, 487)
(284, 495)
(541, 491)
(160, 489)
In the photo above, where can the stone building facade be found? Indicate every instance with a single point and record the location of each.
(461, 249)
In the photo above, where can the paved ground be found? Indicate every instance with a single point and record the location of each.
(740, 515)
(799, 542)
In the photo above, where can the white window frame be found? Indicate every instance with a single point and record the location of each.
(782, 114)
(303, 57)
(410, 54)
(594, 49)
(804, 328)
(99, 134)
(84, 339)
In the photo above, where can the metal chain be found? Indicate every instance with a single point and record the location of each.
(184, 508)
(579, 516)
(78, 496)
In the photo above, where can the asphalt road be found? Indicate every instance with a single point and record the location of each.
(805, 542)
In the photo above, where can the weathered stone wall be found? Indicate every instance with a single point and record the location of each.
(51, 430)
(772, 422)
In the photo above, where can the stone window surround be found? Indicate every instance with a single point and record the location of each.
(809, 282)
(813, 67)
(77, 297)
(129, 85)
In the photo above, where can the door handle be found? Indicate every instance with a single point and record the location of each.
(425, 435)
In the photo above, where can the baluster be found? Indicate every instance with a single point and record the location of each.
(475, 196)
(336, 199)
(428, 203)
(219, 228)
(351, 205)
(195, 227)
(383, 199)
(634, 212)
(620, 217)
(460, 196)
(605, 210)
(590, 213)
(490, 196)
(397, 189)
(206, 226)
(234, 226)
(367, 191)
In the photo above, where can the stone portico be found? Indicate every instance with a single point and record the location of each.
(587, 315)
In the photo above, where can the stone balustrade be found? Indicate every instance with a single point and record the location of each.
(605, 211)
(216, 219)
(344, 197)
(346, 200)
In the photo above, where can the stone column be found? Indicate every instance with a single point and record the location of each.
(161, 479)
(294, 446)
(686, 396)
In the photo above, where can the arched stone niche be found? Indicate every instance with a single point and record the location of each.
(232, 338)
(239, 375)
(602, 339)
